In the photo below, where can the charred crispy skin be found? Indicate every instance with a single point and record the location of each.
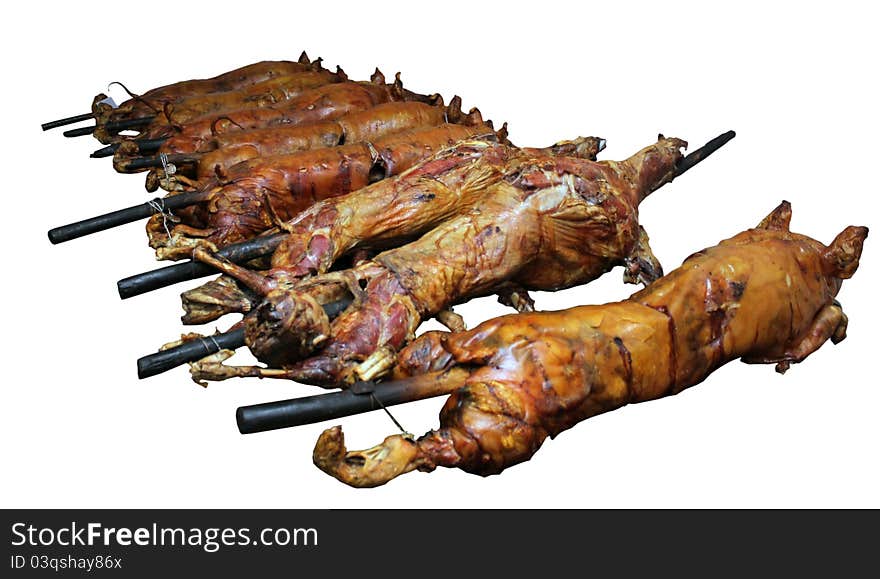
(552, 223)
(765, 296)
(257, 193)
(269, 92)
(318, 104)
(409, 205)
(154, 101)
(384, 214)
(322, 103)
(392, 210)
(356, 127)
(227, 150)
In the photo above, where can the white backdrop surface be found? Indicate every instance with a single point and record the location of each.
(797, 83)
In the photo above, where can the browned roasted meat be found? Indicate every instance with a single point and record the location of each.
(430, 193)
(356, 127)
(256, 194)
(765, 296)
(384, 214)
(154, 101)
(269, 92)
(318, 104)
(224, 151)
(552, 223)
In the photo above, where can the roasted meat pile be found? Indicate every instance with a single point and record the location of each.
(341, 214)
(535, 221)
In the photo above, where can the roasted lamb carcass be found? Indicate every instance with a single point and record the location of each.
(288, 171)
(255, 195)
(389, 213)
(274, 91)
(217, 156)
(766, 296)
(154, 101)
(553, 223)
(318, 104)
(381, 215)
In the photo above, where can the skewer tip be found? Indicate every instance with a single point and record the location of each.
(190, 351)
(80, 132)
(105, 151)
(66, 121)
(124, 216)
(693, 158)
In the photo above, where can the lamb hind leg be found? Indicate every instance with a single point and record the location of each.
(182, 241)
(475, 436)
(211, 368)
(396, 455)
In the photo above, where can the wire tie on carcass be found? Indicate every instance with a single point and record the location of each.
(391, 416)
(368, 387)
(158, 205)
(374, 154)
(207, 347)
(169, 168)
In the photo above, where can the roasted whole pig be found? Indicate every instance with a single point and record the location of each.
(765, 296)
(253, 196)
(154, 101)
(552, 223)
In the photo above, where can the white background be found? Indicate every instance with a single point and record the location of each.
(797, 83)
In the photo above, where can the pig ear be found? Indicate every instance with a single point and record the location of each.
(779, 218)
(842, 256)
